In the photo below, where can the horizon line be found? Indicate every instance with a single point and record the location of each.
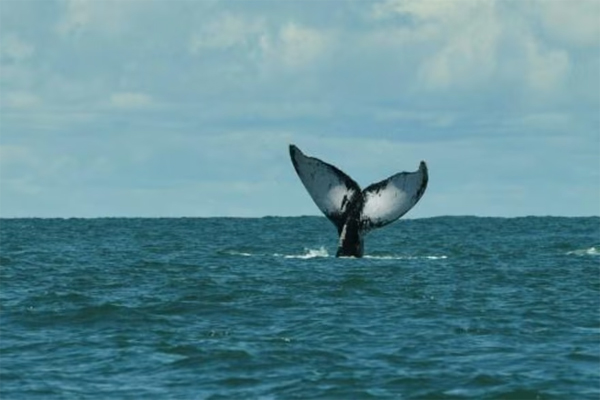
(295, 216)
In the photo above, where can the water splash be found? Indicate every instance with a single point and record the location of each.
(310, 253)
(592, 251)
(238, 253)
(322, 252)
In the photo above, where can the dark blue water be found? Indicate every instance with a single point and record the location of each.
(223, 308)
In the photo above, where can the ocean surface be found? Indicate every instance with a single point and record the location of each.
(228, 308)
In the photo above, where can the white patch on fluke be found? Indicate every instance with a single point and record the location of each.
(390, 199)
(331, 189)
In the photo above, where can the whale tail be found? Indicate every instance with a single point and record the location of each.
(353, 211)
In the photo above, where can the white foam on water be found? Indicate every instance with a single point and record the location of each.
(322, 252)
(592, 251)
(239, 253)
(309, 253)
(406, 257)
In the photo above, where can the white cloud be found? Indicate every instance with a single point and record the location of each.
(290, 46)
(547, 69)
(77, 15)
(577, 22)
(106, 16)
(298, 46)
(428, 119)
(475, 44)
(130, 100)
(16, 155)
(227, 31)
(16, 73)
(20, 99)
(426, 11)
(14, 48)
(467, 58)
(462, 38)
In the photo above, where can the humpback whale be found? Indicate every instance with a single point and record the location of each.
(353, 211)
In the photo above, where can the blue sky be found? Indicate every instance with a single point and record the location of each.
(186, 108)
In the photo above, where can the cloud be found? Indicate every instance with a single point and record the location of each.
(287, 46)
(296, 46)
(547, 69)
(16, 73)
(130, 100)
(575, 22)
(227, 31)
(424, 12)
(469, 56)
(455, 42)
(77, 16)
(109, 17)
(13, 48)
(477, 44)
(16, 155)
(171, 171)
(20, 100)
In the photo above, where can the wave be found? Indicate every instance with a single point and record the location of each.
(322, 252)
(238, 253)
(592, 251)
(308, 253)
(391, 257)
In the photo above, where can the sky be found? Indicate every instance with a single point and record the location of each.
(155, 108)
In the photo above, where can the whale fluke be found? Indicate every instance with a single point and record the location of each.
(353, 211)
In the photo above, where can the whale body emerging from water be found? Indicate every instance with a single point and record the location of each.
(353, 211)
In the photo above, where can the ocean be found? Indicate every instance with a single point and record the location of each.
(260, 308)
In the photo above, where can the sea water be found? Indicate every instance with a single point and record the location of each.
(228, 308)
